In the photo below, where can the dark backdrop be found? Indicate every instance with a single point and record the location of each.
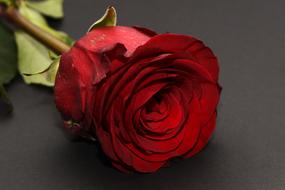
(248, 150)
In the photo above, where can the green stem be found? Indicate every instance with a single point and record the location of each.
(44, 37)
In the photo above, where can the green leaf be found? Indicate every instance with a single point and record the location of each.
(53, 56)
(34, 58)
(52, 8)
(50, 74)
(6, 2)
(108, 19)
(8, 55)
(37, 19)
(5, 104)
(8, 65)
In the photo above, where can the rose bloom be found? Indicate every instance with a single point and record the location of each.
(145, 97)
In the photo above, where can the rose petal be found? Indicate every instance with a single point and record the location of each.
(67, 90)
(98, 39)
(173, 43)
(204, 136)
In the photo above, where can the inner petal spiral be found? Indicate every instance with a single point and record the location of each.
(161, 115)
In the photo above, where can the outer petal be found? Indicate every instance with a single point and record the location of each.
(98, 39)
(204, 136)
(87, 63)
(173, 43)
(67, 89)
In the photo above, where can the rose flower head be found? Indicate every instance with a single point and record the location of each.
(145, 97)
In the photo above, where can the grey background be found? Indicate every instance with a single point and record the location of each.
(248, 150)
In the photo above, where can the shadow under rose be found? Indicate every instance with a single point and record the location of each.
(85, 165)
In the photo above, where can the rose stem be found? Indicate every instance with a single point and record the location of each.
(44, 37)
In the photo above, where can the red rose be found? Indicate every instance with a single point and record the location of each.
(147, 98)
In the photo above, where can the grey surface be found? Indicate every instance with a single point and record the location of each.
(248, 150)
